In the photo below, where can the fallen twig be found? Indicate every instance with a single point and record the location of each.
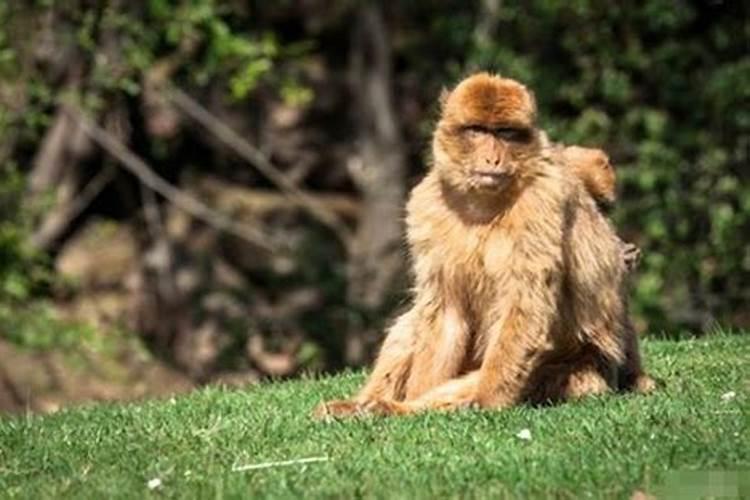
(59, 220)
(284, 463)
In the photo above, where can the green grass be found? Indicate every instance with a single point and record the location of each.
(602, 447)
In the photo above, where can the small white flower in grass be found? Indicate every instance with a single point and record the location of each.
(728, 396)
(524, 434)
(154, 483)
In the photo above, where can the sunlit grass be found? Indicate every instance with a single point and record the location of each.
(602, 447)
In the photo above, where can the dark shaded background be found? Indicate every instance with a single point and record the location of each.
(202, 191)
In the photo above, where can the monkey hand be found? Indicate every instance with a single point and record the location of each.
(346, 409)
(631, 254)
(337, 409)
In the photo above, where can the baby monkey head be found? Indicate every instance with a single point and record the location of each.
(593, 167)
(486, 137)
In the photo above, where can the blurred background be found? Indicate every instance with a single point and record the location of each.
(210, 192)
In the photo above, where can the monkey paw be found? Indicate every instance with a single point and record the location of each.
(385, 408)
(344, 409)
(645, 384)
(586, 382)
(338, 409)
(631, 254)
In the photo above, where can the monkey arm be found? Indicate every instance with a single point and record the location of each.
(394, 363)
(441, 346)
(388, 378)
(520, 338)
(426, 347)
(524, 327)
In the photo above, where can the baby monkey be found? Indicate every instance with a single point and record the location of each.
(593, 168)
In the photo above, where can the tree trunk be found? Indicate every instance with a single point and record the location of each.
(379, 171)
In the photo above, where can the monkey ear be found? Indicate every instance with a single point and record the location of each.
(444, 95)
(544, 139)
(534, 110)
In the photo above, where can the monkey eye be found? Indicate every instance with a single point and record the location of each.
(512, 134)
(509, 134)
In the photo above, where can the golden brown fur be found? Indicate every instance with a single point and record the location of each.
(593, 168)
(518, 292)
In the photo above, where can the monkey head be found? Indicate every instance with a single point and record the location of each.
(486, 134)
(592, 166)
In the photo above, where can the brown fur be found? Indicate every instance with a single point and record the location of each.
(518, 293)
(593, 168)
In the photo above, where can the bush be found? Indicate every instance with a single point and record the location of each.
(664, 87)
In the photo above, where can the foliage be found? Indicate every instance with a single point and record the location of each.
(603, 447)
(663, 87)
(665, 90)
(144, 36)
(25, 317)
(207, 40)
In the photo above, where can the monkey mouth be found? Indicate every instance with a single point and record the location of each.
(491, 178)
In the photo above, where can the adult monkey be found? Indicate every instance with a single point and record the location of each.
(519, 276)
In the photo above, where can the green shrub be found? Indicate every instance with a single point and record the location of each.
(664, 87)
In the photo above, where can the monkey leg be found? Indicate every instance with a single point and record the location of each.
(555, 383)
(338, 409)
(424, 348)
(458, 393)
(631, 376)
(463, 392)
(572, 379)
(441, 348)
(586, 373)
(585, 381)
(395, 361)
(455, 394)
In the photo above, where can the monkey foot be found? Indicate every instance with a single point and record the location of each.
(644, 384)
(385, 408)
(337, 409)
(344, 409)
(466, 404)
(586, 383)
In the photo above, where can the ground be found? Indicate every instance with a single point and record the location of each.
(198, 445)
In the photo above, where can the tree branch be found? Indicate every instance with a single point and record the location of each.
(252, 155)
(58, 221)
(135, 165)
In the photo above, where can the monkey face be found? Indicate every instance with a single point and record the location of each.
(486, 133)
